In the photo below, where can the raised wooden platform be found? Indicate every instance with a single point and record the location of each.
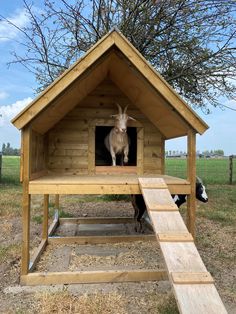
(100, 184)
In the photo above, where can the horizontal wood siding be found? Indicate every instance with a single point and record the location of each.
(70, 140)
(38, 153)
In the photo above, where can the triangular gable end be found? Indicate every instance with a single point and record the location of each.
(107, 58)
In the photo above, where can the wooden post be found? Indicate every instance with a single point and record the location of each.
(57, 201)
(231, 169)
(26, 136)
(0, 166)
(45, 217)
(191, 176)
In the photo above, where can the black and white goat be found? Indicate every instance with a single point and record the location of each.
(140, 206)
(117, 141)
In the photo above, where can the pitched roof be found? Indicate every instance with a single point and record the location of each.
(114, 57)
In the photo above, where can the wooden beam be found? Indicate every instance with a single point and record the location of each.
(57, 201)
(192, 278)
(26, 166)
(96, 220)
(45, 216)
(191, 177)
(54, 225)
(37, 254)
(174, 237)
(49, 278)
(101, 239)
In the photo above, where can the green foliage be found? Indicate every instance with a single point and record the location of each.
(191, 43)
(7, 150)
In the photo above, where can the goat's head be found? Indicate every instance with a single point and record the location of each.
(121, 119)
(201, 194)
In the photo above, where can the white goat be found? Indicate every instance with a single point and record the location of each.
(117, 141)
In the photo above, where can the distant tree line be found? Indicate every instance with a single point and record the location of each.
(205, 153)
(7, 150)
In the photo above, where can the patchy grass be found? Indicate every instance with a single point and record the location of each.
(10, 200)
(221, 206)
(9, 252)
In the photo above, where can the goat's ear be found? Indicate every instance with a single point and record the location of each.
(130, 118)
(113, 115)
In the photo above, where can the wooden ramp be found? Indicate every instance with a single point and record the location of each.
(193, 285)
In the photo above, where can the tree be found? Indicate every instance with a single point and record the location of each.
(191, 43)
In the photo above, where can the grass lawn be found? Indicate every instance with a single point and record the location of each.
(212, 171)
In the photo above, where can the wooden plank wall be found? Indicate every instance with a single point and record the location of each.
(68, 141)
(38, 153)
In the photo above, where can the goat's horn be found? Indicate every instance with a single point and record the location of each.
(126, 108)
(119, 108)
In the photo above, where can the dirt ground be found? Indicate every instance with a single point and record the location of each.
(215, 242)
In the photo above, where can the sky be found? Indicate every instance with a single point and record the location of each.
(17, 89)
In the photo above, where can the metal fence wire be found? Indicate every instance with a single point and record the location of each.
(210, 170)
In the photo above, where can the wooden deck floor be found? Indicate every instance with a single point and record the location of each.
(100, 184)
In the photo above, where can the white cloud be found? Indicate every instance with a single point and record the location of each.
(7, 30)
(10, 111)
(3, 95)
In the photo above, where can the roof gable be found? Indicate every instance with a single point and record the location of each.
(113, 56)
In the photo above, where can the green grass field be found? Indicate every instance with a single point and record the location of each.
(212, 171)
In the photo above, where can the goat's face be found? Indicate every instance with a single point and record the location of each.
(201, 194)
(121, 120)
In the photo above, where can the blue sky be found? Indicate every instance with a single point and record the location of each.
(17, 87)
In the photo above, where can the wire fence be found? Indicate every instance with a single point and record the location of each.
(210, 170)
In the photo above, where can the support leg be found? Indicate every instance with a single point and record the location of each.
(45, 217)
(25, 234)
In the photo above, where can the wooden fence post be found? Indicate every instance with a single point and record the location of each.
(231, 169)
(0, 166)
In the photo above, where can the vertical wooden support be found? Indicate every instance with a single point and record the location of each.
(57, 201)
(163, 155)
(191, 176)
(140, 141)
(45, 217)
(26, 166)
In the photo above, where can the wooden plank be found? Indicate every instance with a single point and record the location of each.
(191, 278)
(116, 169)
(140, 155)
(195, 299)
(54, 225)
(57, 201)
(191, 175)
(91, 149)
(45, 216)
(168, 222)
(84, 189)
(100, 239)
(96, 220)
(159, 200)
(173, 237)
(37, 254)
(152, 183)
(182, 257)
(26, 136)
(93, 277)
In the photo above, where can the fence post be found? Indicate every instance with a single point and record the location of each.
(0, 166)
(231, 169)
